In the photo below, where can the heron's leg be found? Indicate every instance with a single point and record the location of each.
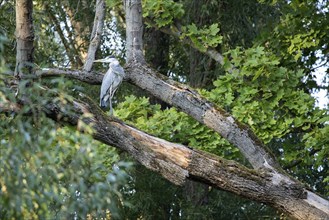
(111, 109)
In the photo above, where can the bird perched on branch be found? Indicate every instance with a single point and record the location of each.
(111, 81)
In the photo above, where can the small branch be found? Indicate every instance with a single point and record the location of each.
(96, 33)
(9, 107)
(79, 30)
(92, 78)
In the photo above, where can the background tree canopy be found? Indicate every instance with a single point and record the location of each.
(273, 53)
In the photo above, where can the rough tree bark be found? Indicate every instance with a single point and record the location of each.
(134, 29)
(24, 37)
(265, 183)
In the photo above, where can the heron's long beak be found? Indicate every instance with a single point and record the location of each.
(100, 61)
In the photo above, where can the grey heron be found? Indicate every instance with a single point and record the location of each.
(111, 81)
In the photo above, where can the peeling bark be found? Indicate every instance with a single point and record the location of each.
(190, 102)
(178, 163)
(266, 185)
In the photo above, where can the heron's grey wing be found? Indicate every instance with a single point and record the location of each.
(119, 74)
(106, 88)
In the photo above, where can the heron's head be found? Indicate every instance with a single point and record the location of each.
(108, 59)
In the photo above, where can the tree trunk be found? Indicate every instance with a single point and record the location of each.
(134, 29)
(24, 37)
(157, 55)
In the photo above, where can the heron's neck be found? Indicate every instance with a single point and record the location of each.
(115, 62)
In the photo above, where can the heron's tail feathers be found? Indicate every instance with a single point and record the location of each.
(103, 104)
(104, 101)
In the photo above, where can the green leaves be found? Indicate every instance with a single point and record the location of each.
(163, 12)
(203, 38)
(268, 97)
(258, 91)
(300, 42)
(173, 126)
(50, 171)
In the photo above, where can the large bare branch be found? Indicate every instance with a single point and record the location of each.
(177, 162)
(96, 33)
(190, 102)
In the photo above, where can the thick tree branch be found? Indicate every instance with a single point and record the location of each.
(96, 33)
(186, 99)
(177, 163)
(190, 102)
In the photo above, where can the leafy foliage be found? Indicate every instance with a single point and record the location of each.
(260, 92)
(301, 37)
(50, 171)
(176, 202)
(163, 12)
(203, 38)
(173, 126)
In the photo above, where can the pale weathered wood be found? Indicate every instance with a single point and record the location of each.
(177, 163)
(190, 102)
(96, 34)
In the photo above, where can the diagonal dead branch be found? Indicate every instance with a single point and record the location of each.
(177, 162)
(96, 33)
